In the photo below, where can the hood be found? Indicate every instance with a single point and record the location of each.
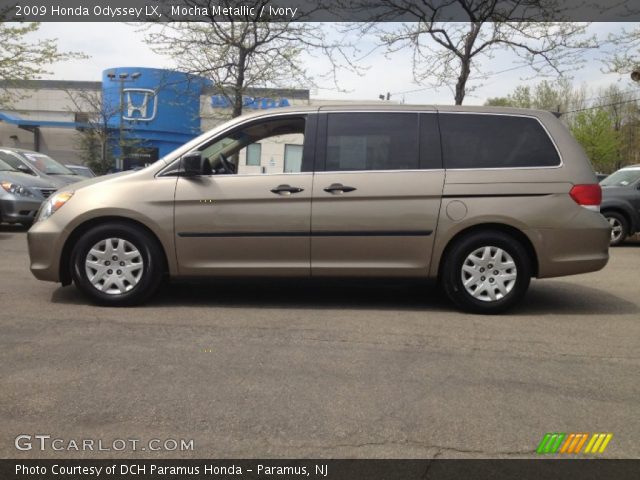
(27, 180)
(613, 189)
(88, 182)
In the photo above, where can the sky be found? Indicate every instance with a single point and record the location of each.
(117, 45)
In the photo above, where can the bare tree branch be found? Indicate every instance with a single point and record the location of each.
(449, 53)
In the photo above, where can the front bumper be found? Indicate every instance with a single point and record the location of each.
(45, 244)
(15, 209)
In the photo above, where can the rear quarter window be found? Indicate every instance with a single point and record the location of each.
(495, 141)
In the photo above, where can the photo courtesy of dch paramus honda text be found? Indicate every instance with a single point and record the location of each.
(479, 198)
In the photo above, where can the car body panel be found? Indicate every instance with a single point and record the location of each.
(235, 225)
(135, 196)
(386, 227)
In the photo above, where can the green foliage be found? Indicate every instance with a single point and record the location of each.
(21, 59)
(594, 129)
(94, 150)
(498, 102)
(557, 96)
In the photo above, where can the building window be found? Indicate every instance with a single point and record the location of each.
(292, 158)
(254, 152)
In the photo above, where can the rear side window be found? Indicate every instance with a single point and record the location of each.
(495, 141)
(372, 141)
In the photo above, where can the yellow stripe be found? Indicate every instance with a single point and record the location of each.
(567, 442)
(584, 439)
(607, 439)
(590, 444)
(598, 442)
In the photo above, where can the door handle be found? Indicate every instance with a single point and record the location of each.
(337, 188)
(286, 189)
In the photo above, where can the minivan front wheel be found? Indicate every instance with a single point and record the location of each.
(486, 272)
(117, 264)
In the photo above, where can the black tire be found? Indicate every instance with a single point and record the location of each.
(617, 220)
(152, 271)
(458, 253)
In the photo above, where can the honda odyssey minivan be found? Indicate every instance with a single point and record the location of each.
(479, 198)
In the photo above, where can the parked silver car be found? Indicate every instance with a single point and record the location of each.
(21, 194)
(39, 165)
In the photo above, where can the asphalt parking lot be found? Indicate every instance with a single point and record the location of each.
(301, 369)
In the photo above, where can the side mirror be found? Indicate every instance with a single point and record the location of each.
(193, 164)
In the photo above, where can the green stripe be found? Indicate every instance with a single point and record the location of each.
(561, 437)
(547, 448)
(543, 443)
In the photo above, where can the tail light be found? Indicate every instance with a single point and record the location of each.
(588, 196)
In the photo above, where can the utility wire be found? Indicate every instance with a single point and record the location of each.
(602, 106)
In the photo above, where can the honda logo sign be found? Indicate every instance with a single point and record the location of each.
(140, 104)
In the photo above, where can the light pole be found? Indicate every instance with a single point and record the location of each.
(121, 78)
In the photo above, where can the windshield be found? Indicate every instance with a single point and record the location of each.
(5, 167)
(622, 178)
(46, 164)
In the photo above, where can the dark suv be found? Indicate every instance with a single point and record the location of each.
(621, 202)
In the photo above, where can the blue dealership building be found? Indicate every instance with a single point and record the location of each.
(155, 110)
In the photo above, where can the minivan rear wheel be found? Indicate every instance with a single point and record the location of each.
(486, 272)
(117, 264)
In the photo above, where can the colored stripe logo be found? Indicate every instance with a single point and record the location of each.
(572, 443)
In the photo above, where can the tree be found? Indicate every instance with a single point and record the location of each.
(595, 131)
(21, 59)
(622, 108)
(242, 55)
(449, 53)
(96, 140)
(625, 57)
(560, 96)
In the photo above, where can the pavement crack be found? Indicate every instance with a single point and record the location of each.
(440, 449)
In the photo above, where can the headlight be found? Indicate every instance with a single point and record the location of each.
(17, 189)
(52, 205)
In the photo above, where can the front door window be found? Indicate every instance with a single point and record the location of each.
(270, 147)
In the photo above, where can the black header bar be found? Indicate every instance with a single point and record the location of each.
(318, 10)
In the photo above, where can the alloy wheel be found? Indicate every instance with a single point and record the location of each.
(616, 228)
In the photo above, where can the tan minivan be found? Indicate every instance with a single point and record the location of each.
(480, 198)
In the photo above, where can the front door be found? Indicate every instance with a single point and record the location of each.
(376, 195)
(250, 215)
